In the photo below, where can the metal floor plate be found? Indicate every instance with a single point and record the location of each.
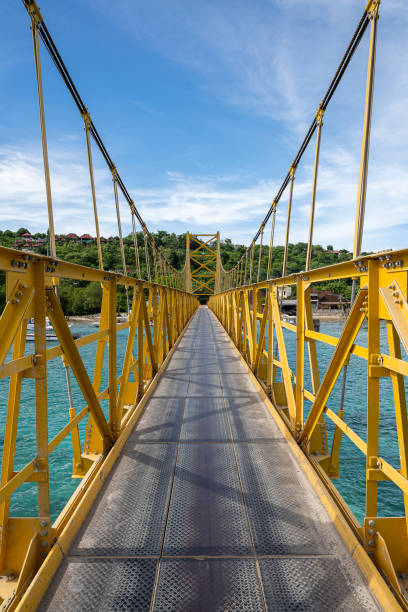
(234, 385)
(281, 518)
(250, 421)
(317, 585)
(162, 422)
(101, 585)
(129, 516)
(172, 384)
(205, 420)
(205, 385)
(207, 514)
(205, 517)
(208, 585)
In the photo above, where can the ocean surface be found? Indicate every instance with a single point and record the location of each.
(351, 483)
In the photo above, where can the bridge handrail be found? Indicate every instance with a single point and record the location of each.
(252, 316)
(154, 323)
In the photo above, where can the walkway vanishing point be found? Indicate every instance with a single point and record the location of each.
(206, 473)
(207, 509)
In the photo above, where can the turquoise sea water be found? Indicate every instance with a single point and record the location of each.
(351, 483)
(62, 485)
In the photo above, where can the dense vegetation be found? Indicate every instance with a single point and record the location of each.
(83, 298)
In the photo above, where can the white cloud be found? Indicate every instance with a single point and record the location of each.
(271, 59)
(199, 203)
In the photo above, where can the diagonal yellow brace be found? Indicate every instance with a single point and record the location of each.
(202, 285)
(202, 264)
(167, 320)
(261, 336)
(290, 396)
(148, 337)
(400, 406)
(12, 315)
(77, 366)
(247, 334)
(339, 357)
(129, 348)
(397, 307)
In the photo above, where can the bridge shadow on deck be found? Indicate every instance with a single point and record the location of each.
(206, 508)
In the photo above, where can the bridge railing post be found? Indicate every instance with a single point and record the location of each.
(300, 353)
(373, 386)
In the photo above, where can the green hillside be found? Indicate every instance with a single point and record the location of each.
(84, 298)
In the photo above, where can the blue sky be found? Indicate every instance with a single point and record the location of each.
(202, 106)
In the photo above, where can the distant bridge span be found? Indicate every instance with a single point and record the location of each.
(206, 451)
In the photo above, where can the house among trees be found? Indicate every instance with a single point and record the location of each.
(103, 240)
(85, 238)
(323, 299)
(71, 236)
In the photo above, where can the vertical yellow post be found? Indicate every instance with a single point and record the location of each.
(254, 330)
(10, 437)
(137, 258)
(155, 324)
(128, 353)
(77, 465)
(156, 274)
(217, 284)
(319, 121)
(268, 275)
(115, 191)
(373, 384)
(113, 413)
(400, 406)
(300, 354)
(146, 246)
(87, 121)
(36, 20)
(251, 262)
(269, 367)
(260, 255)
(140, 353)
(41, 408)
(285, 253)
(372, 10)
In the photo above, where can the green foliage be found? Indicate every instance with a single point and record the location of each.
(80, 298)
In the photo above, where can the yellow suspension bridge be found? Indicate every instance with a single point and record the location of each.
(208, 481)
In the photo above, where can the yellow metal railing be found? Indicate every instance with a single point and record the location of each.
(203, 264)
(251, 316)
(157, 317)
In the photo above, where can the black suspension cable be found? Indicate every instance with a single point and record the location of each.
(355, 40)
(66, 77)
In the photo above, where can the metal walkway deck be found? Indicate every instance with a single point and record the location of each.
(203, 511)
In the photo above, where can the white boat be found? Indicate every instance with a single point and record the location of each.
(50, 334)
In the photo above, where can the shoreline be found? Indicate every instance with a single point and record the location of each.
(95, 318)
(330, 317)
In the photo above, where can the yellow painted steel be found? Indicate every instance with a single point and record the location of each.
(381, 298)
(158, 316)
(33, 547)
(203, 279)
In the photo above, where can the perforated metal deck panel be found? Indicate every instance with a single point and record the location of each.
(205, 585)
(321, 584)
(205, 420)
(162, 422)
(130, 515)
(249, 419)
(207, 514)
(206, 509)
(102, 585)
(282, 518)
